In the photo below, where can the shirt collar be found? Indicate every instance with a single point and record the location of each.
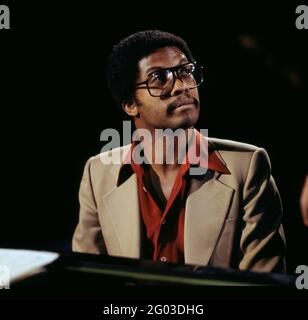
(193, 158)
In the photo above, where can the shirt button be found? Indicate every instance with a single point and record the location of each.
(163, 222)
(163, 259)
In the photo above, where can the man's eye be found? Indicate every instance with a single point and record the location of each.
(189, 69)
(158, 77)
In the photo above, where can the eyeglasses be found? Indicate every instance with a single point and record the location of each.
(161, 82)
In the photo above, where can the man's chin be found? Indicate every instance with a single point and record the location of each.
(187, 121)
(183, 124)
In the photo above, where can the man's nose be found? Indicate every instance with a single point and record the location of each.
(179, 86)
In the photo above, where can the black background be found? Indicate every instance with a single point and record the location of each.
(54, 100)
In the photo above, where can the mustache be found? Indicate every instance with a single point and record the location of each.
(181, 101)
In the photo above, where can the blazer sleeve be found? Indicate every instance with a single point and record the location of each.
(88, 237)
(262, 239)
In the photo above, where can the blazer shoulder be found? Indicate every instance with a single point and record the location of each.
(241, 157)
(115, 154)
(105, 161)
(230, 149)
(231, 145)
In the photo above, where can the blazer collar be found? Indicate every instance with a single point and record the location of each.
(206, 210)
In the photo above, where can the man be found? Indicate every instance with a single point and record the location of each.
(228, 215)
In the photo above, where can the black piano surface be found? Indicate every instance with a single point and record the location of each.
(85, 275)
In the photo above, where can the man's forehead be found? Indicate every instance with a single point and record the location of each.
(163, 57)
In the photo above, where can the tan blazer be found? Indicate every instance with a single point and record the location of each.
(231, 220)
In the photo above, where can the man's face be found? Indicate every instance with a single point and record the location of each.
(179, 109)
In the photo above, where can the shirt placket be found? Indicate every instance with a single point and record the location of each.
(176, 190)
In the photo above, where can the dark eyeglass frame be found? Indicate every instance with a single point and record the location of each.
(173, 70)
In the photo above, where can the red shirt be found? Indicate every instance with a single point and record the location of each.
(164, 219)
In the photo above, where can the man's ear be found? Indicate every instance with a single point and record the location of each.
(130, 108)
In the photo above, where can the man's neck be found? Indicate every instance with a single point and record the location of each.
(167, 151)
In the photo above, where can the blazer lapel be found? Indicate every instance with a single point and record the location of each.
(122, 205)
(205, 212)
